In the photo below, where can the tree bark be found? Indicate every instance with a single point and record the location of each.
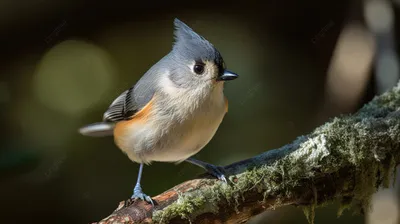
(346, 159)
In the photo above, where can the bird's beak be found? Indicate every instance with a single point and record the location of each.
(227, 76)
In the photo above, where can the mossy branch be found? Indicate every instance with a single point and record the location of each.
(346, 159)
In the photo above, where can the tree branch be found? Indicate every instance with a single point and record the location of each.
(348, 159)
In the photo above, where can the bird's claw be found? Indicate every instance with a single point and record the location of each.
(217, 172)
(138, 194)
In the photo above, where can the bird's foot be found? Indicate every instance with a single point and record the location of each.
(216, 171)
(138, 194)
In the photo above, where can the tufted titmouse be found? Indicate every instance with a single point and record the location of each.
(174, 110)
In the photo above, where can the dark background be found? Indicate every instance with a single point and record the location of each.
(62, 63)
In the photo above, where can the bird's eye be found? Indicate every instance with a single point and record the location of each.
(198, 68)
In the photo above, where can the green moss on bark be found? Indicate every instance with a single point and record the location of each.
(367, 143)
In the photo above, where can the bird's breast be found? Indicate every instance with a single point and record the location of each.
(173, 132)
(190, 129)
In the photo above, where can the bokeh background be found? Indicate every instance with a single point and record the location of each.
(63, 62)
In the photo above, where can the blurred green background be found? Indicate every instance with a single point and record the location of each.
(62, 63)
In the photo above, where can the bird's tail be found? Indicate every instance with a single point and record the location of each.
(100, 129)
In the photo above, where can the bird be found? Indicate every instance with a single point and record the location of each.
(173, 110)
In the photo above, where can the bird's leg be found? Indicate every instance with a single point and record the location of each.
(216, 171)
(137, 191)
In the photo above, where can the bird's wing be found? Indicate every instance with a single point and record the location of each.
(132, 100)
(116, 111)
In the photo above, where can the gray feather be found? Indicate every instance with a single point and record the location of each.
(133, 100)
(115, 111)
(191, 46)
(188, 46)
(97, 129)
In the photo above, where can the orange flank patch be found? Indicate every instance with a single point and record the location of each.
(140, 117)
(226, 104)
